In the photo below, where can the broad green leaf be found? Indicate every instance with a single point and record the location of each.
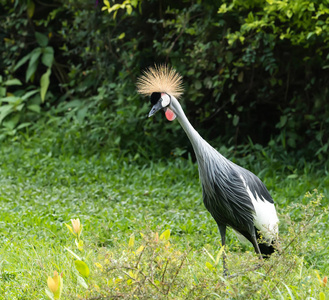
(11, 122)
(23, 125)
(131, 241)
(23, 61)
(29, 94)
(115, 7)
(11, 99)
(82, 268)
(34, 107)
(44, 84)
(165, 235)
(322, 296)
(19, 107)
(41, 39)
(107, 3)
(129, 9)
(48, 56)
(30, 9)
(134, 3)
(12, 82)
(5, 110)
(33, 64)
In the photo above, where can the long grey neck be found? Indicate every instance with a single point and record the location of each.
(198, 143)
(211, 162)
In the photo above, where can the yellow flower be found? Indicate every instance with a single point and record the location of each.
(55, 285)
(53, 282)
(77, 227)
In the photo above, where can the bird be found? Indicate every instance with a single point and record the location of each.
(234, 196)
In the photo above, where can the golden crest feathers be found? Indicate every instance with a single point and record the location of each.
(162, 79)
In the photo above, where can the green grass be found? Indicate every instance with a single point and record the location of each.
(43, 186)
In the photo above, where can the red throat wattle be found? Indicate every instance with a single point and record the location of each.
(170, 115)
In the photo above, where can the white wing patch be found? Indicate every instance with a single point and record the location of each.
(266, 219)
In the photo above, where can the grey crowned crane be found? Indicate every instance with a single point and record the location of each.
(234, 196)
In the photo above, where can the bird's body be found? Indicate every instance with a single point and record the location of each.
(234, 196)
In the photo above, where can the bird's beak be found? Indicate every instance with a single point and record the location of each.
(156, 107)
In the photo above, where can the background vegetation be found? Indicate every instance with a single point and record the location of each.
(76, 142)
(253, 69)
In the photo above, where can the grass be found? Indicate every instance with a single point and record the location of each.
(125, 205)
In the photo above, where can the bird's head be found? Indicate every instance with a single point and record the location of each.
(163, 85)
(162, 101)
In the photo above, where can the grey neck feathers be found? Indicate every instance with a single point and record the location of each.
(210, 161)
(197, 141)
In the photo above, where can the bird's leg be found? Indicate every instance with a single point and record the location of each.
(255, 244)
(222, 230)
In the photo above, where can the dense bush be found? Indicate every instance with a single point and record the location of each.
(253, 69)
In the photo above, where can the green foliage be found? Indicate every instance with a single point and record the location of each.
(288, 40)
(43, 53)
(15, 106)
(128, 5)
(22, 48)
(251, 69)
(45, 182)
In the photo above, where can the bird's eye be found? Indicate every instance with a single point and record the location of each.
(155, 98)
(165, 100)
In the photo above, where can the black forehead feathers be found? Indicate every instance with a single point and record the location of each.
(155, 97)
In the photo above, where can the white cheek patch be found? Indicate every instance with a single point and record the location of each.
(165, 100)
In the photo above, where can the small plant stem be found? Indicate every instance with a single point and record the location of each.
(140, 256)
(150, 281)
(177, 271)
(165, 270)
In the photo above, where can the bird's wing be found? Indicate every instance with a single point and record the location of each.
(229, 203)
(265, 217)
(255, 185)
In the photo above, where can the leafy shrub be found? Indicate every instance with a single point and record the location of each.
(152, 266)
(251, 69)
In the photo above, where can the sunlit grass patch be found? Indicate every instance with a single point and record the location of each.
(117, 200)
(147, 264)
